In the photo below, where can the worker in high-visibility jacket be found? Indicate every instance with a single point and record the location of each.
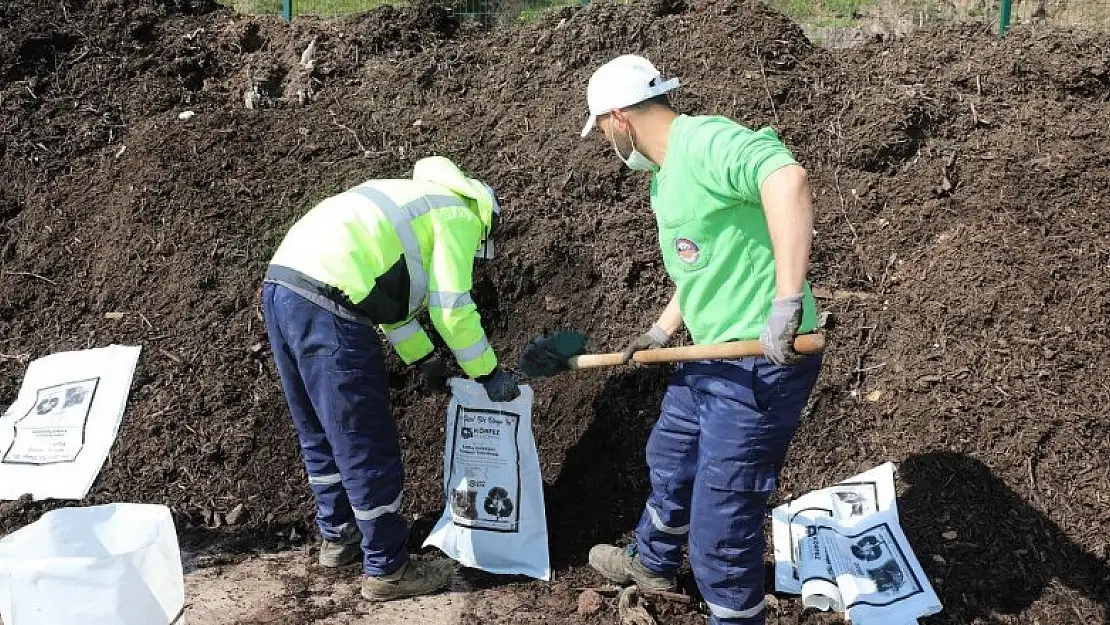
(376, 255)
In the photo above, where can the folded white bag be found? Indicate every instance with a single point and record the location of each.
(494, 517)
(117, 564)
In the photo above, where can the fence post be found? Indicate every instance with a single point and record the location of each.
(287, 10)
(1004, 18)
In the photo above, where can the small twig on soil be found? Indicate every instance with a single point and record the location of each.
(844, 208)
(669, 596)
(365, 152)
(32, 275)
(974, 113)
(859, 369)
(601, 590)
(767, 90)
(20, 358)
(81, 56)
(614, 590)
(146, 321)
(172, 357)
(1032, 476)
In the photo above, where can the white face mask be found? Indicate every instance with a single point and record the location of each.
(636, 161)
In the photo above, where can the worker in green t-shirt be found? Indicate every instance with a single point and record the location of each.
(735, 222)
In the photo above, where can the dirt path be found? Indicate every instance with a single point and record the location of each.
(287, 588)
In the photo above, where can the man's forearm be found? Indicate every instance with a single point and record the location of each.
(671, 319)
(789, 208)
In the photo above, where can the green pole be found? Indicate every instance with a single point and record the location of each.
(287, 10)
(1004, 18)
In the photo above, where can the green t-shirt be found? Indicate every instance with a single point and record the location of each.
(712, 228)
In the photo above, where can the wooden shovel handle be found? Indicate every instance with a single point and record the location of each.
(803, 344)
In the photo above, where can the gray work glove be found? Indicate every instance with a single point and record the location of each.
(778, 335)
(654, 338)
(500, 385)
(434, 372)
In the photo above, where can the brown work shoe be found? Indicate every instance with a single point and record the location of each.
(335, 555)
(623, 566)
(345, 551)
(415, 578)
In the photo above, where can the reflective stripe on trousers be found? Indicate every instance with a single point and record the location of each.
(325, 480)
(370, 515)
(657, 521)
(728, 613)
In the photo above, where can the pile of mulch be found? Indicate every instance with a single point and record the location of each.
(962, 252)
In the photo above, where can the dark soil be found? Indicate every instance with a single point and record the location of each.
(963, 251)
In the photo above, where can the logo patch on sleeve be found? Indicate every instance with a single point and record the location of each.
(688, 251)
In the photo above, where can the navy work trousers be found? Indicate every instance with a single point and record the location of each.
(714, 458)
(333, 374)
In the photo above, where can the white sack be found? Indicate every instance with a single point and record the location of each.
(117, 564)
(849, 501)
(494, 516)
(55, 437)
(841, 548)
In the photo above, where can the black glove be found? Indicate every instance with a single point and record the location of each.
(434, 372)
(782, 326)
(500, 385)
(654, 338)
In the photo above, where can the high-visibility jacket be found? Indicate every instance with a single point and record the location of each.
(385, 250)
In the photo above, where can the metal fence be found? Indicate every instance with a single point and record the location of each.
(843, 23)
(487, 12)
(825, 18)
(1091, 14)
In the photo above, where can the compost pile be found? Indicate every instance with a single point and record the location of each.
(963, 252)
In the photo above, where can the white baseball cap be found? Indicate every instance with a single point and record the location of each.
(622, 82)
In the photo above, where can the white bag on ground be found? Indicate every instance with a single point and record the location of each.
(117, 564)
(494, 519)
(55, 437)
(841, 548)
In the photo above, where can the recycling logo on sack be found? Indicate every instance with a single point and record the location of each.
(688, 251)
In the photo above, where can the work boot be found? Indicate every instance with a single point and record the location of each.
(623, 566)
(343, 552)
(414, 578)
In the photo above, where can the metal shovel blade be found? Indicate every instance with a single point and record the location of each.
(547, 354)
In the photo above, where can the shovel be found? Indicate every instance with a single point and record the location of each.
(555, 352)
